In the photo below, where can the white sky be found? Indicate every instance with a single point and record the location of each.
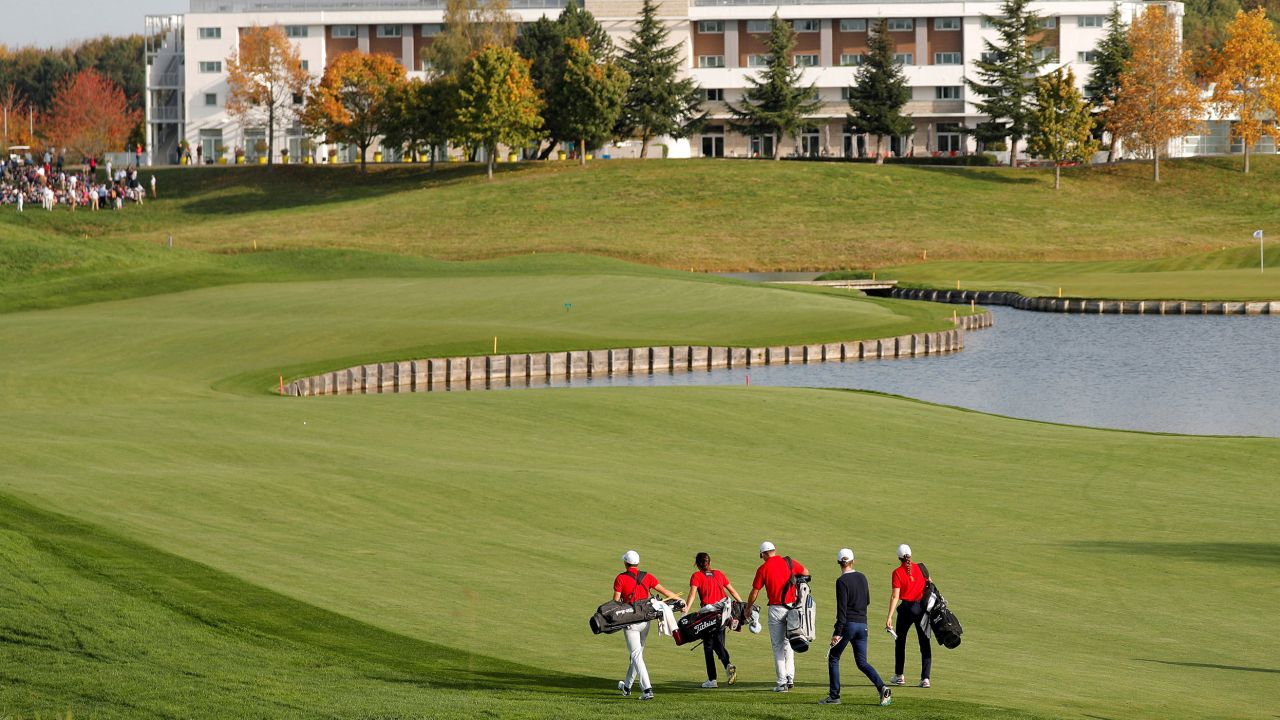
(54, 23)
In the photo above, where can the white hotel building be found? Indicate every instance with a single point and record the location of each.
(938, 42)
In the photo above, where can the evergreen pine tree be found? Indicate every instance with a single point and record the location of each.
(879, 91)
(1061, 126)
(1112, 55)
(659, 101)
(775, 103)
(1007, 74)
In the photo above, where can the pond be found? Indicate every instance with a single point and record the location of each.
(1204, 375)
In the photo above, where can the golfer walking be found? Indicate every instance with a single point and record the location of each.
(633, 585)
(712, 586)
(908, 587)
(775, 576)
(852, 598)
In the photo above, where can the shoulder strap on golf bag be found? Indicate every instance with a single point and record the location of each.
(638, 579)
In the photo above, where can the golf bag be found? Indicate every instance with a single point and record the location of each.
(802, 615)
(703, 624)
(740, 616)
(615, 615)
(943, 624)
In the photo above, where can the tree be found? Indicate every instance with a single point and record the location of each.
(420, 115)
(543, 44)
(1247, 78)
(1157, 101)
(498, 103)
(1061, 126)
(659, 101)
(588, 97)
(89, 115)
(774, 102)
(469, 26)
(879, 91)
(17, 118)
(265, 80)
(349, 105)
(1112, 55)
(1007, 73)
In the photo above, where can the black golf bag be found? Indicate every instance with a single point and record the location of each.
(615, 615)
(943, 624)
(700, 625)
(741, 615)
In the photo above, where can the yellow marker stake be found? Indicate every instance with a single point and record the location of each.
(1059, 292)
(973, 305)
(495, 344)
(957, 284)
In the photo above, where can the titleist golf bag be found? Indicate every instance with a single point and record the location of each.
(943, 624)
(615, 615)
(802, 615)
(703, 624)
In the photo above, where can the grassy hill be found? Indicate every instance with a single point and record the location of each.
(704, 215)
(178, 542)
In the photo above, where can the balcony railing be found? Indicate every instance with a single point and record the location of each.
(235, 6)
(166, 80)
(164, 113)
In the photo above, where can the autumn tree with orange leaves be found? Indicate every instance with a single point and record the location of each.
(352, 101)
(1246, 73)
(17, 119)
(1157, 101)
(265, 78)
(89, 115)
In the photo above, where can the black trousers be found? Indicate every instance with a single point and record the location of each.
(713, 648)
(909, 614)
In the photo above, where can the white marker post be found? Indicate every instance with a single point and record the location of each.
(1262, 257)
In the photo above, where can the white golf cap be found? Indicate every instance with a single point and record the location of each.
(904, 550)
(844, 555)
(631, 557)
(767, 546)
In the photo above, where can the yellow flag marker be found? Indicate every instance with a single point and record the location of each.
(495, 344)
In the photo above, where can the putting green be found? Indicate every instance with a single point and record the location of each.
(1097, 573)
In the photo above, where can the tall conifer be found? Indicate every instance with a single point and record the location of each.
(659, 101)
(1007, 73)
(1112, 55)
(879, 91)
(776, 103)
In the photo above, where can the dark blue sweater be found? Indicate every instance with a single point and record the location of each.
(852, 598)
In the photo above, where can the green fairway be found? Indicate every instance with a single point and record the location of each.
(178, 542)
(1233, 274)
(705, 215)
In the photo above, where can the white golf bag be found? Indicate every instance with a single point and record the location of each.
(802, 619)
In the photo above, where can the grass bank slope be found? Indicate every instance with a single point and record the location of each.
(1230, 274)
(705, 215)
(1077, 558)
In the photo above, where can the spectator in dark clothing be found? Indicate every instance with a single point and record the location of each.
(852, 598)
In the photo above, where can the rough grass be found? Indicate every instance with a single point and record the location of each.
(237, 554)
(703, 215)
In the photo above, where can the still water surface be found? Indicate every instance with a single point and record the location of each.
(1205, 375)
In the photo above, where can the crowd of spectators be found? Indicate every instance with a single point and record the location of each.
(50, 184)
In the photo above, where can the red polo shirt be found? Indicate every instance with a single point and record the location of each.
(631, 590)
(912, 585)
(772, 575)
(710, 586)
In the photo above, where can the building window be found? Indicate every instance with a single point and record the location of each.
(1088, 56)
(390, 31)
(853, 26)
(1044, 54)
(1091, 21)
(710, 27)
(432, 29)
(804, 60)
(989, 22)
(851, 59)
(210, 66)
(950, 139)
(947, 58)
(1048, 23)
(805, 26)
(946, 23)
(903, 58)
(845, 92)
(757, 61)
(714, 94)
(296, 31)
(344, 31)
(211, 99)
(713, 141)
(306, 65)
(758, 26)
(207, 33)
(710, 61)
(990, 57)
(297, 98)
(947, 92)
(901, 24)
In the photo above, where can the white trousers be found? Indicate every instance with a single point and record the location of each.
(784, 658)
(636, 636)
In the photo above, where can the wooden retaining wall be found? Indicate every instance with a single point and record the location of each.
(1095, 307)
(483, 371)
